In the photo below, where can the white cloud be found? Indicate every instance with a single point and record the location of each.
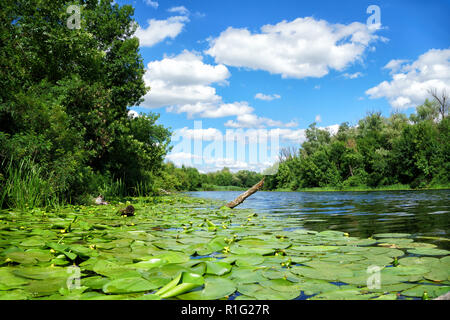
(352, 75)
(267, 97)
(182, 158)
(184, 84)
(395, 65)
(132, 114)
(317, 87)
(212, 110)
(208, 134)
(158, 30)
(253, 121)
(301, 48)
(183, 80)
(152, 4)
(409, 86)
(318, 118)
(252, 149)
(180, 10)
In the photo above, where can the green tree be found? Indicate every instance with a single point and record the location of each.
(65, 94)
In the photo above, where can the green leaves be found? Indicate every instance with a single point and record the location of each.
(182, 283)
(129, 285)
(260, 261)
(429, 251)
(215, 288)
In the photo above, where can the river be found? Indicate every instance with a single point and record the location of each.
(424, 214)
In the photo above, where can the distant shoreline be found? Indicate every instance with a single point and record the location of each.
(334, 189)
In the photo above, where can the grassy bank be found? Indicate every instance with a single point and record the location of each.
(397, 187)
(221, 188)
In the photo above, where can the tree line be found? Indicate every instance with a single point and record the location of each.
(379, 151)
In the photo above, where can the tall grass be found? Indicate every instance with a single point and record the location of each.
(143, 189)
(114, 188)
(26, 186)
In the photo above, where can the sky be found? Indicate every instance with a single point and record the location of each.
(237, 80)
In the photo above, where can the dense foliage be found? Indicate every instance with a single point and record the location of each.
(64, 98)
(378, 152)
(190, 179)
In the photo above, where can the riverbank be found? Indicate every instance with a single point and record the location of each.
(398, 187)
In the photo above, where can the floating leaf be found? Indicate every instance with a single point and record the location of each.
(215, 288)
(249, 260)
(184, 282)
(344, 294)
(432, 291)
(429, 251)
(217, 268)
(129, 285)
(391, 235)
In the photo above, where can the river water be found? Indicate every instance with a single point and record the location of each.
(424, 214)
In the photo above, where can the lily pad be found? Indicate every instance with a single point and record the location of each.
(215, 288)
(391, 235)
(129, 285)
(433, 291)
(429, 251)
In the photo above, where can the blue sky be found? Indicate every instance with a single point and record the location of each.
(278, 66)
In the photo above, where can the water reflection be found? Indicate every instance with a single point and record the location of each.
(421, 213)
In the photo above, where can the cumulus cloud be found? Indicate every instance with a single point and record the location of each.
(159, 30)
(304, 47)
(352, 75)
(267, 97)
(410, 82)
(184, 84)
(183, 80)
(253, 121)
(180, 10)
(152, 4)
(395, 65)
(212, 110)
(238, 149)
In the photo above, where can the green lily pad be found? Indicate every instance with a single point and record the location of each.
(432, 291)
(429, 251)
(94, 282)
(344, 294)
(33, 242)
(249, 260)
(318, 249)
(391, 235)
(9, 280)
(215, 288)
(182, 283)
(217, 267)
(15, 295)
(129, 285)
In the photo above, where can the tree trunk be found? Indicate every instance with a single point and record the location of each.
(245, 195)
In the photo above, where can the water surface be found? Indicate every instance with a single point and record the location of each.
(361, 214)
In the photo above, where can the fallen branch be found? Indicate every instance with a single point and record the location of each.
(245, 195)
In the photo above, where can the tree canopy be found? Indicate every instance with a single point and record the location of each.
(65, 94)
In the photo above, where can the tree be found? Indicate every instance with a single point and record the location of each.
(441, 99)
(65, 94)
